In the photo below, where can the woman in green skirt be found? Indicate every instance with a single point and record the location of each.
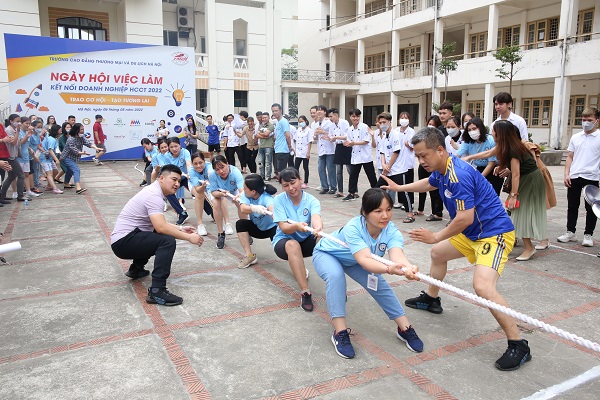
(527, 198)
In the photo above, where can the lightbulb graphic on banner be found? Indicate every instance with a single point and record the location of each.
(178, 96)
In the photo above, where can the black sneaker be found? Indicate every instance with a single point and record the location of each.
(425, 302)
(136, 272)
(324, 191)
(144, 183)
(183, 217)
(251, 241)
(306, 302)
(163, 297)
(332, 191)
(515, 355)
(3, 201)
(221, 240)
(350, 197)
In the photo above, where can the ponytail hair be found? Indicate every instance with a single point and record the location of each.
(255, 182)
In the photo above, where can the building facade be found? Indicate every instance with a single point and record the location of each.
(237, 42)
(386, 52)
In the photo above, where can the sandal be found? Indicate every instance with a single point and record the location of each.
(58, 181)
(419, 213)
(433, 217)
(80, 190)
(408, 220)
(69, 187)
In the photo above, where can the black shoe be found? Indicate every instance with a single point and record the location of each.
(350, 197)
(306, 302)
(425, 302)
(183, 217)
(251, 240)
(163, 297)
(135, 272)
(23, 199)
(332, 191)
(144, 183)
(324, 191)
(515, 355)
(4, 201)
(221, 240)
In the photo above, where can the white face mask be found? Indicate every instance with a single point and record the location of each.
(474, 134)
(80, 134)
(302, 124)
(452, 131)
(587, 125)
(403, 122)
(384, 128)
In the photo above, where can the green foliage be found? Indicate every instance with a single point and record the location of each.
(510, 55)
(455, 108)
(447, 63)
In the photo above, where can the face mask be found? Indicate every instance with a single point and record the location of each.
(474, 134)
(384, 128)
(587, 125)
(452, 131)
(302, 124)
(403, 122)
(16, 124)
(465, 124)
(80, 135)
(190, 124)
(38, 130)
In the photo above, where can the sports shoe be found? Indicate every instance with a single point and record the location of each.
(31, 194)
(587, 241)
(95, 160)
(409, 336)
(220, 240)
(516, 354)
(36, 191)
(567, 237)
(306, 272)
(247, 261)
(350, 197)
(425, 302)
(135, 272)
(342, 345)
(57, 191)
(324, 191)
(304, 186)
(183, 217)
(99, 163)
(251, 241)
(306, 301)
(15, 195)
(397, 205)
(163, 297)
(332, 191)
(144, 183)
(356, 196)
(201, 230)
(228, 229)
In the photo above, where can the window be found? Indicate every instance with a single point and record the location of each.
(375, 7)
(170, 1)
(370, 113)
(509, 36)
(203, 44)
(536, 112)
(576, 111)
(374, 63)
(240, 98)
(479, 44)
(80, 28)
(542, 33)
(585, 20)
(240, 47)
(410, 60)
(170, 38)
(201, 99)
(476, 107)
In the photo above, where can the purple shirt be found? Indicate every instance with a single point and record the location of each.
(137, 212)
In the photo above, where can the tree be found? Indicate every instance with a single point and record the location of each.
(447, 63)
(509, 55)
(289, 64)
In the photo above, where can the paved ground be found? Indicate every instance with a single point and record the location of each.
(73, 326)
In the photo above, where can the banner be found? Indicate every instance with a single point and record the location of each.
(133, 86)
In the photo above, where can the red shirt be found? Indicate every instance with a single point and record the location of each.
(101, 136)
(3, 149)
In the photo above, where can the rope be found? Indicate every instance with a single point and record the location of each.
(480, 300)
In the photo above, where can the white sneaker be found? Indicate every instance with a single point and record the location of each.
(15, 195)
(228, 229)
(567, 237)
(397, 205)
(182, 206)
(306, 272)
(31, 194)
(587, 241)
(95, 160)
(201, 230)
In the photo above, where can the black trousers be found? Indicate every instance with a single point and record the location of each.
(245, 225)
(494, 180)
(405, 198)
(251, 159)
(282, 161)
(304, 162)
(230, 153)
(139, 246)
(16, 173)
(355, 172)
(573, 201)
(437, 206)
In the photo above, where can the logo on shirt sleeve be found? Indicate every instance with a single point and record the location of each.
(305, 212)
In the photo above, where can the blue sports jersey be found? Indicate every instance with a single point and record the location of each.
(462, 188)
(284, 209)
(234, 182)
(213, 134)
(180, 161)
(152, 153)
(281, 145)
(160, 160)
(49, 143)
(466, 149)
(357, 236)
(263, 222)
(196, 177)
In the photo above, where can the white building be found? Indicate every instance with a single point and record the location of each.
(380, 55)
(237, 42)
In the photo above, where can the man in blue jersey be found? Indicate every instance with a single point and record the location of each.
(480, 230)
(214, 145)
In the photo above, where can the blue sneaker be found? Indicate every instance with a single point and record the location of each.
(341, 343)
(410, 337)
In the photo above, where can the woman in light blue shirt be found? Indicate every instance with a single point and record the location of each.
(198, 182)
(256, 201)
(370, 232)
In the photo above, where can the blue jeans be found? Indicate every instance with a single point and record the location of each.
(72, 170)
(334, 273)
(326, 169)
(34, 167)
(265, 158)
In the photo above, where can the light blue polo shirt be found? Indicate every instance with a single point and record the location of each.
(284, 209)
(152, 153)
(180, 161)
(24, 148)
(159, 160)
(49, 143)
(281, 127)
(263, 222)
(234, 182)
(476, 147)
(196, 177)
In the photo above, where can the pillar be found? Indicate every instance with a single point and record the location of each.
(332, 63)
(438, 41)
(286, 100)
(395, 61)
(360, 56)
(394, 108)
(493, 15)
(333, 11)
(488, 104)
(360, 9)
(559, 135)
(523, 29)
(360, 101)
(213, 66)
(467, 39)
(463, 101)
(342, 104)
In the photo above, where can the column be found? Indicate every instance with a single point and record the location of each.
(360, 56)
(394, 108)
(568, 18)
(211, 49)
(424, 54)
(523, 29)
(395, 61)
(360, 9)
(360, 102)
(274, 90)
(332, 63)
(438, 40)
(488, 104)
(596, 23)
(492, 42)
(559, 135)
(286, 100)
(463, 101)
(424, 113)
(333, 11)
(342, 105)
(467, 39)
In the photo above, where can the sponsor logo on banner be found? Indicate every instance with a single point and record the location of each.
(180, 58)
(151, 123)
(119, 137)
(86, 121)
(135, 122)
(119, 122)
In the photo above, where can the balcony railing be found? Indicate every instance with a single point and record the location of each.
(406, 7)
(307, 75)
(240, 62)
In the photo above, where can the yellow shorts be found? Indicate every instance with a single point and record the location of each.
(491, 252)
